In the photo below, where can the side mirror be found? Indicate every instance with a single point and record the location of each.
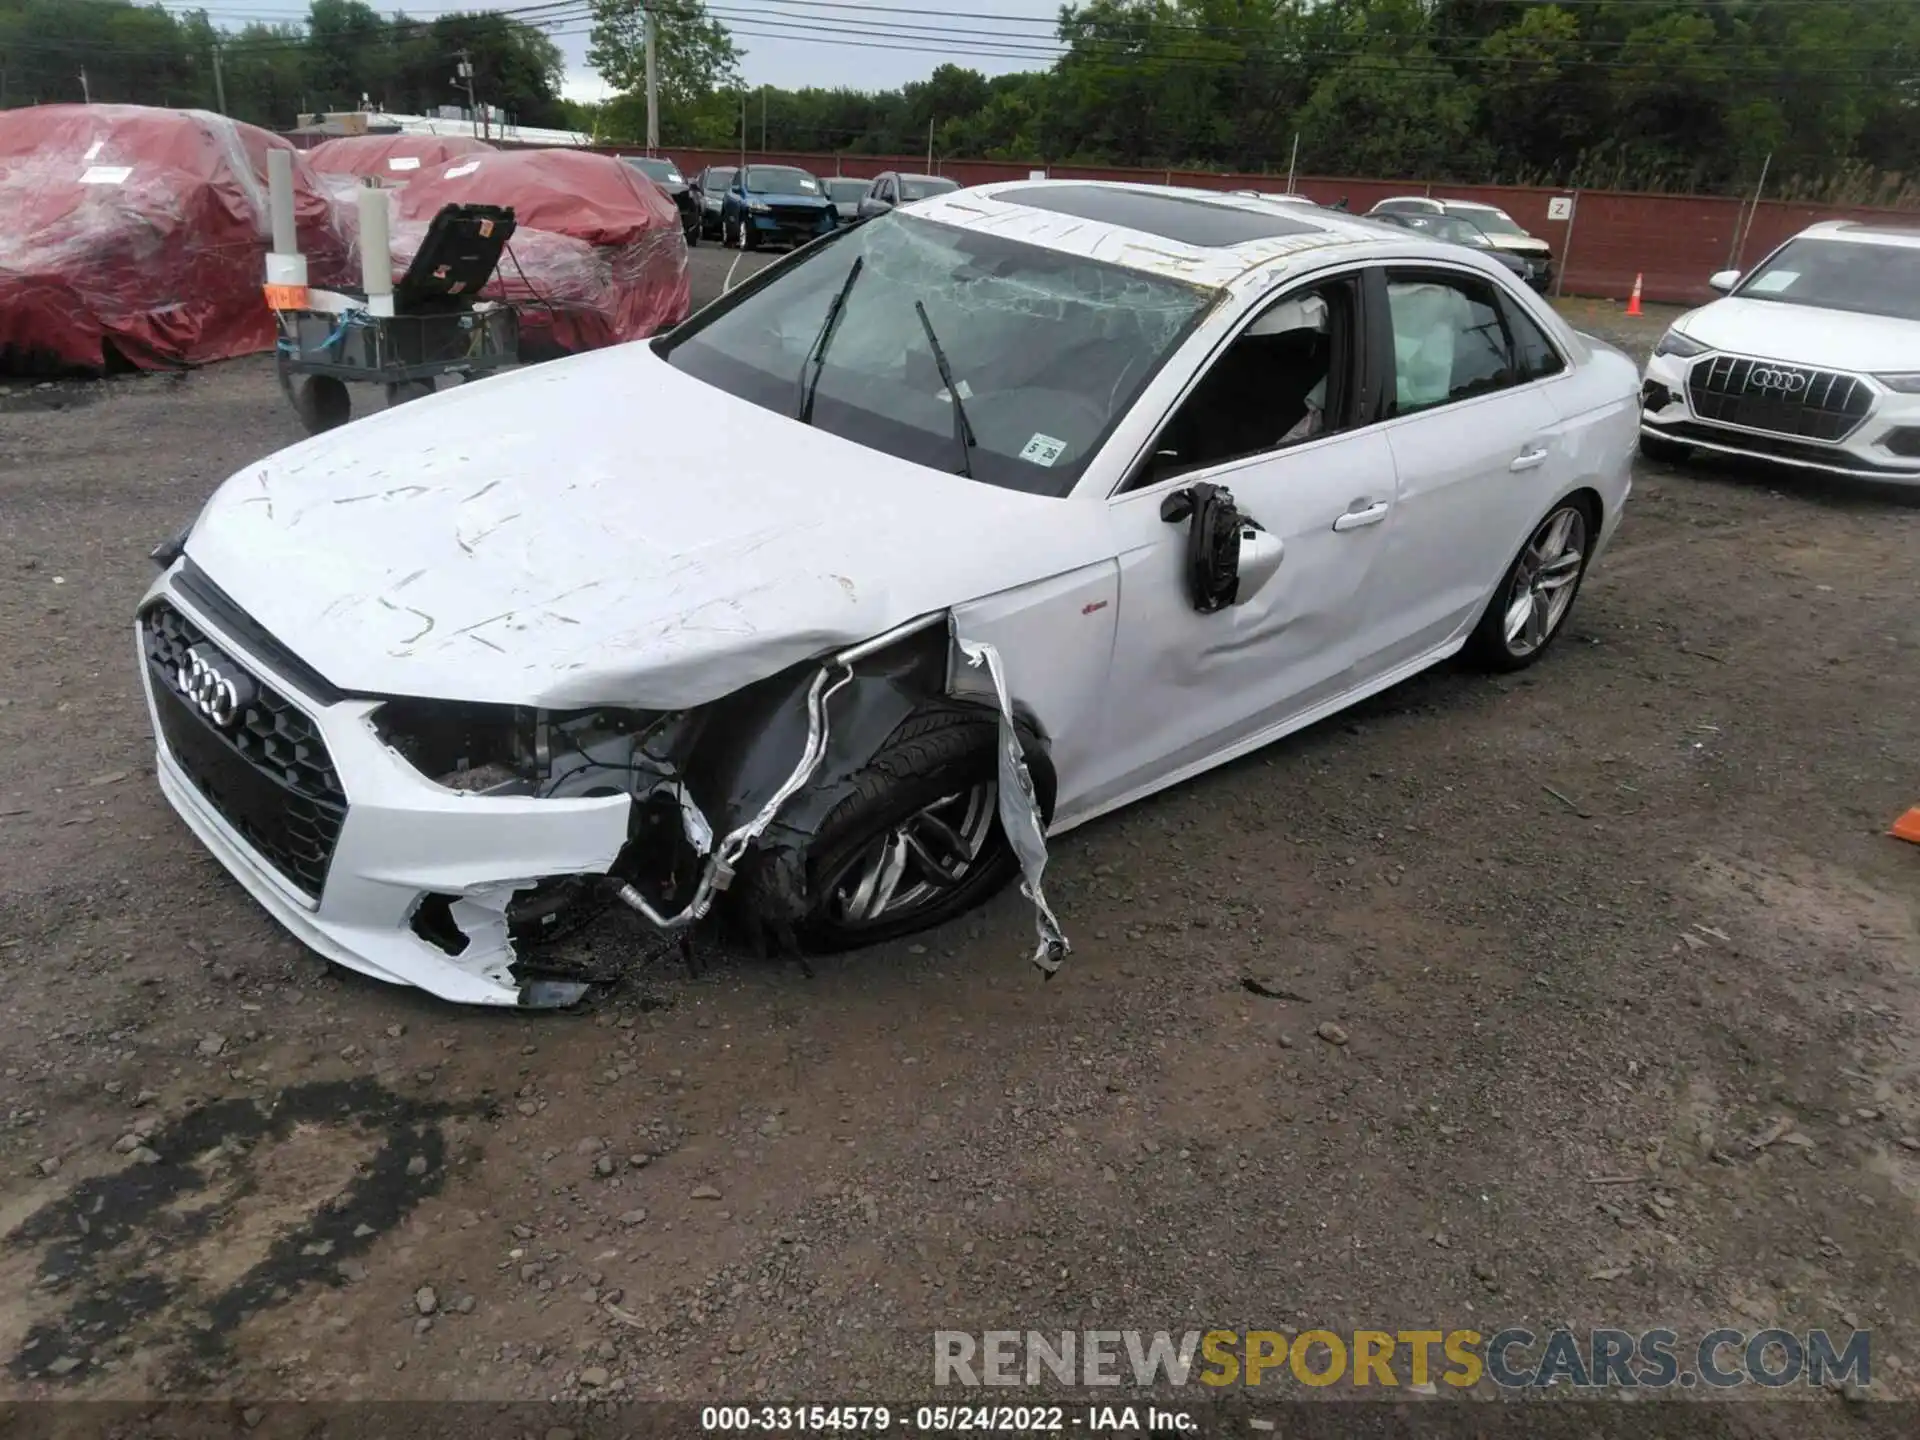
(1724, 280)
(1229, 556)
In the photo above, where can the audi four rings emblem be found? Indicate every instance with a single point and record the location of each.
(216, 687)
(1780, 382)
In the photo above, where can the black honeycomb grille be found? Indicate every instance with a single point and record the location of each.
(268, 773)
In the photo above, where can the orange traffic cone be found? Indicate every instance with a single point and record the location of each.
(1633, 300)
(1907, 827)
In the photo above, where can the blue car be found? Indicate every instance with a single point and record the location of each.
(778, 204)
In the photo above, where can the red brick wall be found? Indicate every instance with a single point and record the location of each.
(1673, 241)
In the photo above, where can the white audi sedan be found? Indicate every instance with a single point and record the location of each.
(1811, 360)
(939, 537)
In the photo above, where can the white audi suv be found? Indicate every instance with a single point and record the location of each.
(1812, 359)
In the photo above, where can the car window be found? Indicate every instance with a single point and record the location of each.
(1048, 351)
(1869, 279)
(1448, 341)
(920, 189)
(780, 180)
(1534, 355)
(1283, 380)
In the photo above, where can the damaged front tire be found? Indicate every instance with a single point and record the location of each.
(914, 839)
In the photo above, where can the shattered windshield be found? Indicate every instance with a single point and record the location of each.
(1840, 275)
(1047, 351)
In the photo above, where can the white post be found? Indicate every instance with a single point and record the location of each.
(929, 145)
(653, 84)
(376, 258)
(285, 264)
(1292, 160)
(1566, 250)
(1741, 245)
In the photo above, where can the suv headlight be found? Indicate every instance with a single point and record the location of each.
(759, 207)
(1681, 347)
(1904, 384)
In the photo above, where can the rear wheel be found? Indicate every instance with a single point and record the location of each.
(1537, 592)
(1667, 452)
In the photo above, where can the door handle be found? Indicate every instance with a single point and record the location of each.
(1527, 459)
(1371, 515)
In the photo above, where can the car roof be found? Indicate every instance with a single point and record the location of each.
(910, 175)
(1862, 232)
(1206, 237)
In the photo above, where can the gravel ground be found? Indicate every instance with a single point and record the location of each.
(1630, 917)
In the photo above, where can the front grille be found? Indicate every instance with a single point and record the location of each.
(267, 772)
(1819, 405)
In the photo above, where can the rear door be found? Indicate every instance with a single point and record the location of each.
(1476, 443)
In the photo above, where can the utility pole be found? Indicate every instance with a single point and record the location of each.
(653, 83)
(763, 119)
(464, 72)
(219, 84)
(743, 128)
(929, 145)
(86, 95)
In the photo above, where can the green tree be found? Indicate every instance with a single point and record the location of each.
(695, 54)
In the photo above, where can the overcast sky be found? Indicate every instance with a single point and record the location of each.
(787, 53)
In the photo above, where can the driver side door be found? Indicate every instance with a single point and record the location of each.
(1186, 687)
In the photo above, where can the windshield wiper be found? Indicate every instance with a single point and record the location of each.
(962, 431)
(816, 360)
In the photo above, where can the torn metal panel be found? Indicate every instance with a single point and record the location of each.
(1020, 816)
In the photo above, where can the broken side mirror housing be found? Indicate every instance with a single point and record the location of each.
(1229, 555)
(1724, 280)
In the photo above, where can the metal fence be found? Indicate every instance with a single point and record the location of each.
(1602, 239)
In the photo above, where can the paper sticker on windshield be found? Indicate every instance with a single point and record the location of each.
(1774, 281)
(403, 162)
(457, 171)
(1043, 450)
(106, 175)
(93, 151)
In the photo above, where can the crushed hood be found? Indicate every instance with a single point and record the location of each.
(1521, 244)
(1803, 335)
(606, 530)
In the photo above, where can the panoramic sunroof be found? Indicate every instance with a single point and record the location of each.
(1172, 217)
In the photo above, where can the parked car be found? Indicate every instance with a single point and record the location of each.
(1811, 359)
(1452, 230)
(779, 203)
(1499, 227)
(846, 191)
(710, 185)
(894, 188)
(1054, 519)
(664, 173)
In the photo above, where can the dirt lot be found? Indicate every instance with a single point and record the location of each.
(1617, 920)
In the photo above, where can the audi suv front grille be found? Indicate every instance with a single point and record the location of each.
(1794, 400)
(260, 762)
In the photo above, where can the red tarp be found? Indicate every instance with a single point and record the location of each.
(144, 232)
(394, 159)
(610, 266)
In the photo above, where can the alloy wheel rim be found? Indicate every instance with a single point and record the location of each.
(1543, 583)
(916, 862)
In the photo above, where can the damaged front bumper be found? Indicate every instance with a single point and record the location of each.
(400, 839)
(298, 792)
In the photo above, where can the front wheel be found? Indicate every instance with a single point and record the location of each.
(749, 237)
(916, 839)
(1537, 592)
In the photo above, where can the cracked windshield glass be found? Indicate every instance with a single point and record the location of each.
(1046, 350)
